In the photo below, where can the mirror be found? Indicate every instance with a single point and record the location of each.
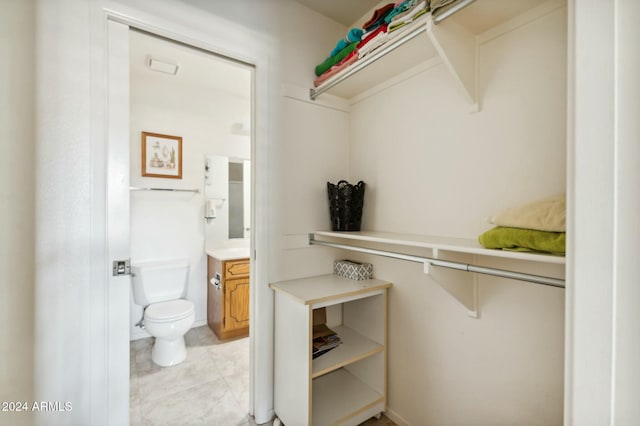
(236, 200)
(228, 185)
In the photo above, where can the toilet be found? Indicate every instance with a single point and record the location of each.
(160, 287)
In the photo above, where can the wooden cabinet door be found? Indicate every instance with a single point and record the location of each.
(236, 268)
(236, 303)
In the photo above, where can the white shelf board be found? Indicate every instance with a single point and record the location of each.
(325, 290)
(339, 395)
(459, 245)
(354, 347)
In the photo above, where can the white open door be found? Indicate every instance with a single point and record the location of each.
(118, 224)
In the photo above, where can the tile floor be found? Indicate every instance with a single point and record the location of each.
(211, 387)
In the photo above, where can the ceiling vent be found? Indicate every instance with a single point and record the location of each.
(163, 66)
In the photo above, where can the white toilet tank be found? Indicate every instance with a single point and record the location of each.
(159, 281)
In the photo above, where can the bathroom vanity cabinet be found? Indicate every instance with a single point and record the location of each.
(228, 297)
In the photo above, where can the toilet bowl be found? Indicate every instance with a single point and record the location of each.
(161, 287)
(168, 322)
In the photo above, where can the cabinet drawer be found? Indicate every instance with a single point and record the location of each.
(236, 268)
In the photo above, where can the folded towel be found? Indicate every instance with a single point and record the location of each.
(405, 5)
(373, 43)
(332, 60)
(371, 35)
(517, 239)
(410, 13)
(351, 58)
(415, 12)
(354, 34)
(544, 215)
(437, 4)
(378, 14)
(404, 28)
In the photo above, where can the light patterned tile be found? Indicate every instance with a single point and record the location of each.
(231, 358)
(143, 350)
(239, 385)
(139, 344)
(193, 392)
(156, 382)
(252, 422)
(201, 336)
(205, 404)
(135, 413)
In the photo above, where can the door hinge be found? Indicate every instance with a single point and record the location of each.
(121, 267)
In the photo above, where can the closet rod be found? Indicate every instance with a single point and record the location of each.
(537, 279)
(136, 188)
(449, 10)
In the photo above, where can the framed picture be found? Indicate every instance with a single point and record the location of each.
(161, 155)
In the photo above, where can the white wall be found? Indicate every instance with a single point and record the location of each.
(17, 174)
(313, 147)
(166, 225)
(433, 168)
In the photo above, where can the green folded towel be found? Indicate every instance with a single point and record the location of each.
(332, 60)
(518, 239)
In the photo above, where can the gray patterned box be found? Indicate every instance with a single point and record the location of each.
(353, 270)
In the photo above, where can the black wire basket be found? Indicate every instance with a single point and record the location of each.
(345, 205)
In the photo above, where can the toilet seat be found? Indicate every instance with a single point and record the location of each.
(173, 310)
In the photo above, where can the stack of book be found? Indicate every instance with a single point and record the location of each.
(324, 339)
(322, 345)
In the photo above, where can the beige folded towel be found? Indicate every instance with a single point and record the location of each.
(544, 215)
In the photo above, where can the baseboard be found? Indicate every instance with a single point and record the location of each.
(199, 323)
(396, 418)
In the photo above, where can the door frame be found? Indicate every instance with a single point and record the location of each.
(261, 320)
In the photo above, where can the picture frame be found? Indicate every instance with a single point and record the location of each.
(161, 156)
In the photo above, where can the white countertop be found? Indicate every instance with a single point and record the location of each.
(230, 253)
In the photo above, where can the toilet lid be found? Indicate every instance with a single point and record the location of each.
(168, 311)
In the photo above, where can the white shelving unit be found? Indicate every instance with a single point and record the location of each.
(346, 385)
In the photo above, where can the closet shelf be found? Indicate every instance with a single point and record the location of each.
(459, 245)
(454, 41)
(421, 41)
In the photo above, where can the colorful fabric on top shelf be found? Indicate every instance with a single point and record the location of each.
(351, 58)
(354, 34)
(437, 4)
(402, 19)
(377, 32)
(378, 16)
(405, 5)
(373, 40)
(333, 60)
